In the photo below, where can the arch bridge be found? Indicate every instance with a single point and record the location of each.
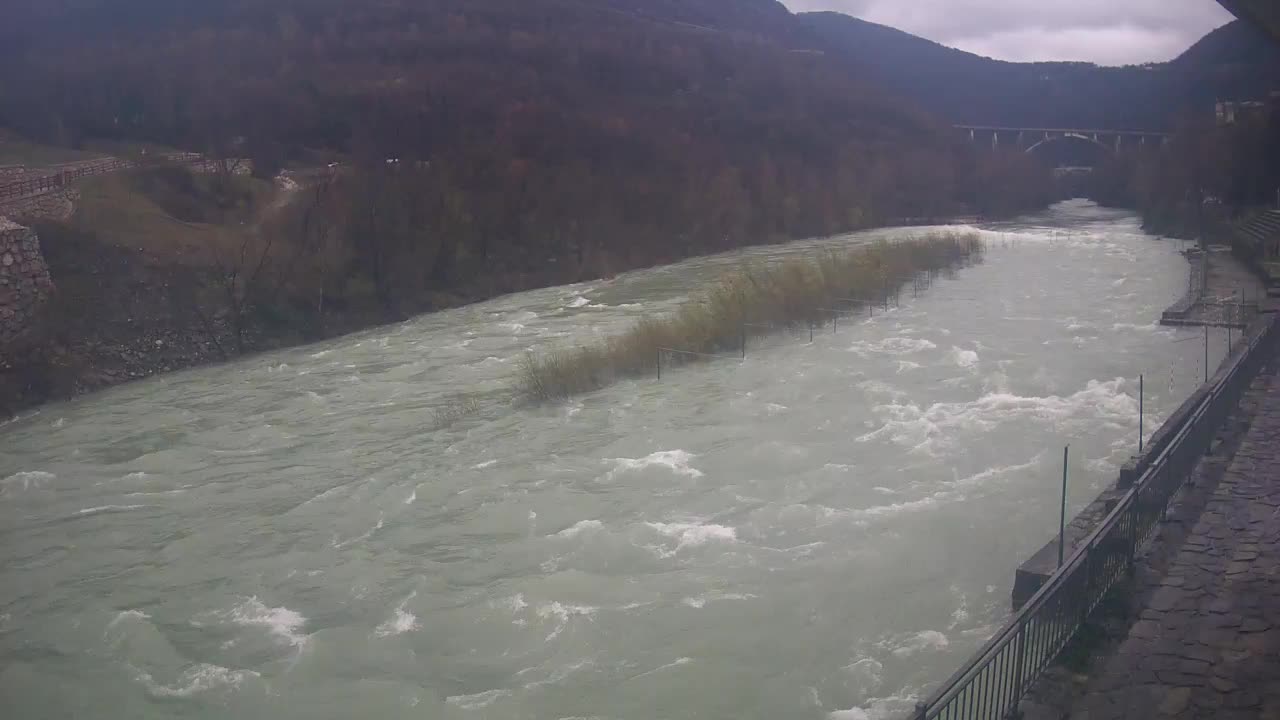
(1029, 138)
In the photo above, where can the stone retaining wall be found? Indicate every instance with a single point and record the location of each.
(24, 281)
(58, 206)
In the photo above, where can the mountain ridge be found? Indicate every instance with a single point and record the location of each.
(1230, 63)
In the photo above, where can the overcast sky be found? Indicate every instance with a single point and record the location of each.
(1107, 32)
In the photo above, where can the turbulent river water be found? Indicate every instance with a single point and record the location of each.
(825, 529)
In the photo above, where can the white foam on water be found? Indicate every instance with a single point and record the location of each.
(325, 495)
(774, 408)
(925, 640)
(127, 615)
(891, 346)
(580, 527)
(197, 679)
(907, 365)
(83, 512)
(937, 426)
(412, 497)
(692, 535)
(961, 613)
(19, 417)
(58, 423)
(401, 621)
(700, 601)
(281, 622)
(981, 478)
(963, 358)
(677, 461)
(955, 491)
(883, 511)
(877, 387)
(485, 464)
(1100, 465)
(175, 491)
(577, 302)
(673, 664)
(513, 604)
(556, 676)
(362, 536)
(27, 479)
(885, 708)
(867, 672)
(478, 700)
(563, 614)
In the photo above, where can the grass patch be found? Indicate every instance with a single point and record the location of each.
(176, 222)
(454, 411)
(748, 302)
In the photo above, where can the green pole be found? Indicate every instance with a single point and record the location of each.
(1062, 515)
(1140, 414)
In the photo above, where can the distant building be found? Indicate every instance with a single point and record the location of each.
(1229, 113)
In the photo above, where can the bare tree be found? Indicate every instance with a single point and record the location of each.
(238, 276)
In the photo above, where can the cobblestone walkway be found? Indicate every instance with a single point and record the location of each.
(1208, 643)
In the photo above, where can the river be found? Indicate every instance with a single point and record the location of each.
(825, 529)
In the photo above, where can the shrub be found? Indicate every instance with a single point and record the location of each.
(748, 302)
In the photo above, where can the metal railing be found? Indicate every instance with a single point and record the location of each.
(52, 181)
(994, 680)
(61, 176)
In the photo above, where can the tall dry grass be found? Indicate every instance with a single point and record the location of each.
(748, 302)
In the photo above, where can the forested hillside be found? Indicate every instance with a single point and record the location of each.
(1234, 62)
(595, 136)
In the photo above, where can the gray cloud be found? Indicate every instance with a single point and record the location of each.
(1110, 32)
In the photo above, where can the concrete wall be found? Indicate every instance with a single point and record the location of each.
(25, 284)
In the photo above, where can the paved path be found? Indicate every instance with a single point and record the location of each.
(1229, 283)
(1207, 645)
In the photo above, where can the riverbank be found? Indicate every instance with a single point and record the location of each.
(125, 313)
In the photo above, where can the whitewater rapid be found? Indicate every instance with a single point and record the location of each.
(823, 530)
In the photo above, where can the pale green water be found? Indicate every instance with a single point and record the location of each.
(825, 528)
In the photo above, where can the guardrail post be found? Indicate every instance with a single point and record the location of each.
(1135, 512)
(919, 712)
(1088, 583)
(1019, 670)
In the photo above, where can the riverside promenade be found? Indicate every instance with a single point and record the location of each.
(1204, 638)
